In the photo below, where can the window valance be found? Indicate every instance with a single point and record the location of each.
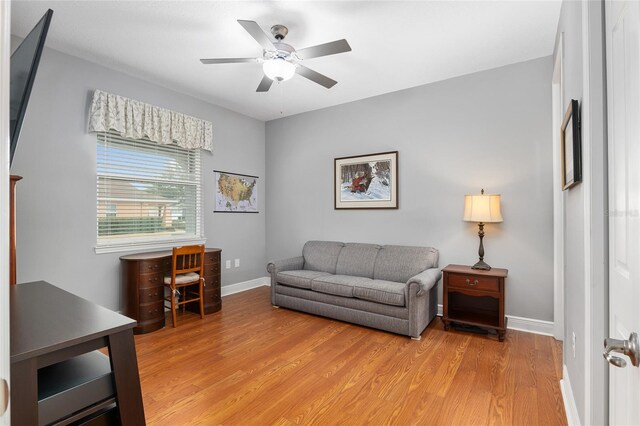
(138, 120)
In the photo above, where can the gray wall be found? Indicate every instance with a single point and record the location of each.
(56, 200)
(570, 24)
(487, 130)
(575, 236)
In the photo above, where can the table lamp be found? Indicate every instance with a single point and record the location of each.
(482, 209)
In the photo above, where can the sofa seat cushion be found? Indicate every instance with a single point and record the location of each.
(337, 285)
(386, 292)
(400, 312)
(299, 278)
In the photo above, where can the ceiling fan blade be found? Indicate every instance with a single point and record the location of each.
(256, 32)
(265, 84)
(315, 76)
(227, 60)
(332, 48)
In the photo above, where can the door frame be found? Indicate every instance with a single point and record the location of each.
(596, 218)
(5, 48)
(595, 392)
(557, 96)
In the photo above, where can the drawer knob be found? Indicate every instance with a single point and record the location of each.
(475, 282)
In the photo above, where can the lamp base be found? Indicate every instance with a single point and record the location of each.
(481, 265)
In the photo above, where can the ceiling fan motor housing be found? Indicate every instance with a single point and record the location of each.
(279, 31)
(283, 51)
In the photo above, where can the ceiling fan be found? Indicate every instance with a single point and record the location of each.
(281, 61)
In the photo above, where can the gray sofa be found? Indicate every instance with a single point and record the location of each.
(390, 288)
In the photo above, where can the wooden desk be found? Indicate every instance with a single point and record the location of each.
(50, 325)
(142, 280)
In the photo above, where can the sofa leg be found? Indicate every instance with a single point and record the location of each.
(416, 338)
(275, 306)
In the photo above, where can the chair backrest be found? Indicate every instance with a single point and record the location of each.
(187, 259)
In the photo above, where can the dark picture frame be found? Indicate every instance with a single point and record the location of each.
(571, 146)
(243, 204)
(366, 181)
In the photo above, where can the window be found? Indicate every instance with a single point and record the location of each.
(148, 195)
(111, 210)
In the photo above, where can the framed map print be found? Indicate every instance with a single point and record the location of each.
(235, 193)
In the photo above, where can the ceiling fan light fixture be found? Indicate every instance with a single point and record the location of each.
(278, 69)
(280, 61)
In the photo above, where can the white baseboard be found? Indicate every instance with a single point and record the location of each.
(570, 408)
(530, 325)
(245, 285)
(524, 324)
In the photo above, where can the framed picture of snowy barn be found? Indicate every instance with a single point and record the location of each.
(366, 181)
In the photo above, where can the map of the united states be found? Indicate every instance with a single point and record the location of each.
(236, 193)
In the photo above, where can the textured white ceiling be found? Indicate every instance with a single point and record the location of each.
(396, 45)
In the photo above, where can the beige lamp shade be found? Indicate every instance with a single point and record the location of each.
(482, 208)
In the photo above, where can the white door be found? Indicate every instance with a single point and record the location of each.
(623, 100)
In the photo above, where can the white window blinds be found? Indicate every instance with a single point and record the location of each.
(147, 193)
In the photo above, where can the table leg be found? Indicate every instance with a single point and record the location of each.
(24, 392)
(124, 365)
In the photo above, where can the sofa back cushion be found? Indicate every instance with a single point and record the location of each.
(321, 255)
(357, 259)
(399, 263)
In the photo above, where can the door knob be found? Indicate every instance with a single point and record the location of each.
(630, 348)
(4, 396)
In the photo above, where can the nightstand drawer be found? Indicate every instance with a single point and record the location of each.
(473, 282)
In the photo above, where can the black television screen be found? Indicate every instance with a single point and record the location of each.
(24, 64)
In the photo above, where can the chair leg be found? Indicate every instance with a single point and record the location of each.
(201, 300)
(173, 306)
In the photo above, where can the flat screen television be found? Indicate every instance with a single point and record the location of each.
(24, 64)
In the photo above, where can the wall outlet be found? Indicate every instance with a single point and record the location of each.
(237, 263)
(227, 264)
(573, 343)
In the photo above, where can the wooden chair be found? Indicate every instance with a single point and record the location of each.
(187, 271)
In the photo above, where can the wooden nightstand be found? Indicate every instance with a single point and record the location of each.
(474, 297)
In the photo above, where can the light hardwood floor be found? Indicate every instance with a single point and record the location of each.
(251, 364)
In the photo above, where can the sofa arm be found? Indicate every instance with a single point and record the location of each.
(290, 264)
(426, 280)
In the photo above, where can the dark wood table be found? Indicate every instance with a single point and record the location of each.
(50, 325)
(474, 297)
